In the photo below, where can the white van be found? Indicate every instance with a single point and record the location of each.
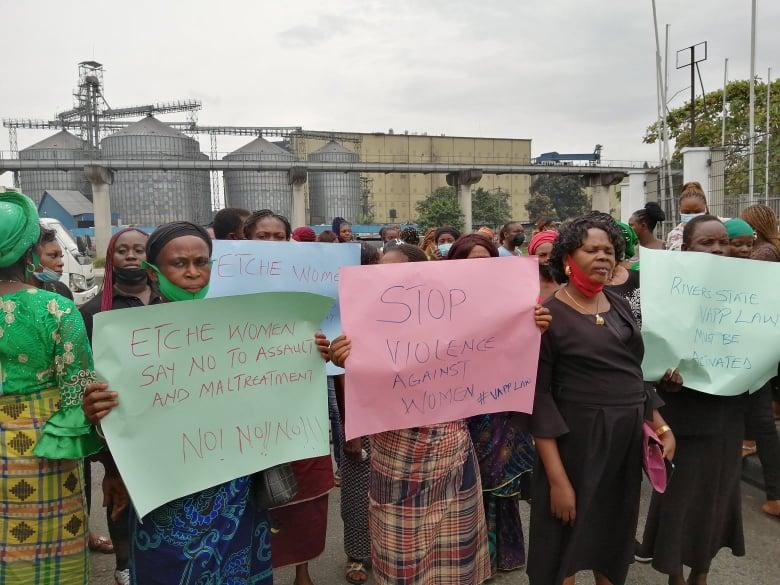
(77, 273)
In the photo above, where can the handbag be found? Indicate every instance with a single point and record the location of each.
(274, 487)
(653, 459)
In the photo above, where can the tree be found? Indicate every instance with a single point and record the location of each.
(708, 131)
(490, 208)
(539, 206)
(565, 193)
(440, 208)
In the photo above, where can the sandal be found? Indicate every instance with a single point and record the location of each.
(101, 544)
(356, 573)
(749, 448)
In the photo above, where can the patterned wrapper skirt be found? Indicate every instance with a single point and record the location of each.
(425, 508)
(43, 524)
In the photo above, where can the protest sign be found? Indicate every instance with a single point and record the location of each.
(252, 266)
(438, 341)
(715, 319)
(211, 390)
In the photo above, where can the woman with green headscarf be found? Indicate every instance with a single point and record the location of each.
(45, 365)
(625, 281)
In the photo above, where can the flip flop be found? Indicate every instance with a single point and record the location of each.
(356, 573)
(101, 544)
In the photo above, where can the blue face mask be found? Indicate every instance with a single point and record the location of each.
(47, 275)
(444, 249)
(686, 217)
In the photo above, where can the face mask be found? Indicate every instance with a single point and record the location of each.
(174, 293)
(686, 217)
(581, 281)
(47, 275)
(518, 240)
(130, 275)
(444, 249)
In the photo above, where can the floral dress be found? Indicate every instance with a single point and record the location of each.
(45, 365)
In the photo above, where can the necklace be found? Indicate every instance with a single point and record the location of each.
(599, 318)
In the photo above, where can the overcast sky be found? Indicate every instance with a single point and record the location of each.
(565, 73)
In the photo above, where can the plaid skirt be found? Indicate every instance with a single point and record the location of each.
(43, 523)
(426, 516)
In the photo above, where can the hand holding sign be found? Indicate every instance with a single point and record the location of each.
(438, 341)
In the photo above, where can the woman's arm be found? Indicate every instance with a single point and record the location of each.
(562, 498)
(665, 435)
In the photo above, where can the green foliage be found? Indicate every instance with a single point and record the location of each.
(708, 131)
(566, 196)
(539, 206)
(491, 208)
(440, 208)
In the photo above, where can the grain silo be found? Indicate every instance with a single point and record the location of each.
(154, 197)
(334, 194)
(259, 190)
(61, 146)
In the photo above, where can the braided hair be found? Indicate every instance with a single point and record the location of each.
(257, 216)
(762, 219)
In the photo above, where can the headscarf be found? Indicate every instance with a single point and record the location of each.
(738, 228)
(107, 296)
(304, 234)
(336, 225)
(19, 229)
(629, 235)
(170, 231)
(409, 235)
(545, 237)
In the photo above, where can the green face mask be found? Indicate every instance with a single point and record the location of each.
(172, 292)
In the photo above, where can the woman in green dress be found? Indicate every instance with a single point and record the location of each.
(45, 364)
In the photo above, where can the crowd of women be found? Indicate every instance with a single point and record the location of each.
(432, 505)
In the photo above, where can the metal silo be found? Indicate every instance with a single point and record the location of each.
(334, 194)
(154, 197)
(63, 146)
(259, 190)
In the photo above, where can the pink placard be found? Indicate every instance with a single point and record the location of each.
(438, 341)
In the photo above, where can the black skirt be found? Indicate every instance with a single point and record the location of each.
(701, 511)
(603, 460)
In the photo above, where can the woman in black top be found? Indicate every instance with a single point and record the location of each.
(701, 511)
(590, 405)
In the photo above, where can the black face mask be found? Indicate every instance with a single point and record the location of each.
(545, 272)
(130, 275)
(518, 240)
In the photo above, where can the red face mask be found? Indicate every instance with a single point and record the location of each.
(580, 280)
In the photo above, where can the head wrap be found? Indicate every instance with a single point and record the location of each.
(737, 228)
(545, 237)
(336, 225)
(409, 235)
(19, 229)
(487, 232)
(629, 235)
(170, 231)
(304, 234)
(107, 296)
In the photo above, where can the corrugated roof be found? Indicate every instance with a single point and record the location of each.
(72, 201)
(261, 146)
(149, 126)
(62, 140)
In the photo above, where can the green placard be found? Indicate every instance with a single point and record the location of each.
(212, 390)
(716, 319)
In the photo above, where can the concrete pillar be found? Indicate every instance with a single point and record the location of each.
(600, 184)
(634, 196)
(297, 178)
(696, 166)
(463, 180)
(100, 178)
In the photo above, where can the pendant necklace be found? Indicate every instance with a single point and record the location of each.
(599, 318)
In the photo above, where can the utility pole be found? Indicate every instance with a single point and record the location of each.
(723, 114)
(752, 137)
(691, 62)
(768, 135)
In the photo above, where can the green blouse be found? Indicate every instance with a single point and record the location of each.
(43, 344)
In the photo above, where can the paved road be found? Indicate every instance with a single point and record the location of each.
(761, 566)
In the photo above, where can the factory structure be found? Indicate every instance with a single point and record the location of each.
(92, 130)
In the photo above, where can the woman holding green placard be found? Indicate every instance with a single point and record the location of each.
(700, 512)
(216, 535)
